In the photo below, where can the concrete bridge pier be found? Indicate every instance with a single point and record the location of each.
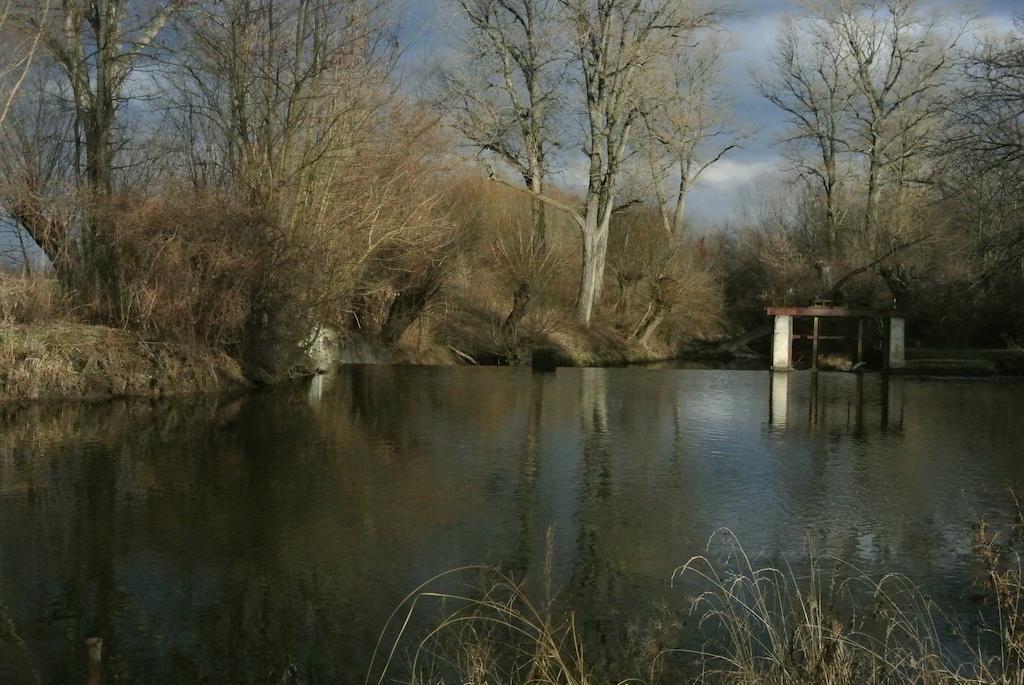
(896, 345)
(782, 343)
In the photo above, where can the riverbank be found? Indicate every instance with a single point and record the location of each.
(44, 361)
(464, 343)
(936, 362)
(74, 361)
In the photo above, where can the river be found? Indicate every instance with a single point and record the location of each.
(266, 538)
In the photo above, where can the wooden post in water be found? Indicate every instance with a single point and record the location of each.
(860, 340)
(94, 648)
(814, 344)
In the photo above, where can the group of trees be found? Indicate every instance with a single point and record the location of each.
(900, 121)
(243, 172)
(620, 80)
(236, 172)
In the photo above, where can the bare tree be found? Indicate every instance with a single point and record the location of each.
(616, 44)
(810, 84)
(989, 107)
(899, 56)
(687, 128)
(982, 159)
(97, 44)
(505, 97)
(19, 52)
(281, 93)
(16, 60)
(667, 271)
(864, 79)
(93, 47)
(37, 179)
(289, 105)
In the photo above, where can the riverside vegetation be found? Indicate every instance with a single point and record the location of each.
(747, 622)
(225, 180)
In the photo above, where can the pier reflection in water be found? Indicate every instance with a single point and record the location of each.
(856, 403)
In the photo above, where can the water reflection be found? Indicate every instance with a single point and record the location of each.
(269, 536)
(833, 401)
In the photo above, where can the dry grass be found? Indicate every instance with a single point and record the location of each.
(750, 624)
(491, 631)
(765, 624)
(63, 360)
(30, 298)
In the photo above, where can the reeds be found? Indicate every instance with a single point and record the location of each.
(491, 631)
(748, 622)
(769, 624)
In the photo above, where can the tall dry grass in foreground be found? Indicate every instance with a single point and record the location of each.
(490, 631)
(747, 623)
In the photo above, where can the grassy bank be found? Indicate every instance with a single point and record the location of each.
(475, 338)
(467, 324)
(49, 350)
(77, 361)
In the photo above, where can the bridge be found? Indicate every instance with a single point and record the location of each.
(894, 347)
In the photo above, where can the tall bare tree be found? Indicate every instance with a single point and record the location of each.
(616, 45)
(98, 44)
(898, 56)
(505, 96)
(982, 159)
(688, 128)
(94, 46)
(810, 84)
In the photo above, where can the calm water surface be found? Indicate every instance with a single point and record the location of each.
(267, 538)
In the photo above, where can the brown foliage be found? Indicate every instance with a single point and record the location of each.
(665, 282)
(30, 298)
(185, 271)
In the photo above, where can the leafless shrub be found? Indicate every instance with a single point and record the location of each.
(663, 280)
(524, 261)
(183, 271)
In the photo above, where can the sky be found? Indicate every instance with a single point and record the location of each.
(719, 196)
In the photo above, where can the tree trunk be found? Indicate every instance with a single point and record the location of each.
(831, 205)
(405, 309)
(595, 250)
(651, 327)
(679, 215)
(51, 237)
(538, 211)
(874, 191)
(520, 300)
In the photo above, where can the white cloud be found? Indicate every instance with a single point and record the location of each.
(730, 174)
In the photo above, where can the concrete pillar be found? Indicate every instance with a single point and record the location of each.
(315, 392)
(778, 399)
(897, 344)
(782, 344)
